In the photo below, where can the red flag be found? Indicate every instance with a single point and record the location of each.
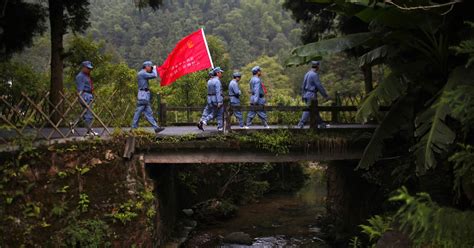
(190, 54)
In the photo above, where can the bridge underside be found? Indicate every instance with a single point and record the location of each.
(223, 157)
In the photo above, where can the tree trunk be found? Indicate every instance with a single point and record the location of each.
(56, 19)
(367, 70)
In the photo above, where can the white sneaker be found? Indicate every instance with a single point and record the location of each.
(267, 126)
(220, 129)
(92, 133)
(245, 127)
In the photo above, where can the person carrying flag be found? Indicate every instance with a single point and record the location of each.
(144, 96)
(258, 91)
(234, 95)
(215, 102)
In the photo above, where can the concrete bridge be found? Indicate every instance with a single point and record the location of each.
(31, 118)
(256, 145)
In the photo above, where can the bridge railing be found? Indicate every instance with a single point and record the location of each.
(36, 117)
(342, 110)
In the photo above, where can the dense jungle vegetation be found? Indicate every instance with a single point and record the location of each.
(414, 56)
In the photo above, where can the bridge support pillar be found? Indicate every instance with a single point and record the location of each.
(351, 199)
(164, 178)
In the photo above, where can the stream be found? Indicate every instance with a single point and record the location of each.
(276, 220)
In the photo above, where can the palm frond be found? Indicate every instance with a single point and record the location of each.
(306, 53)
(376, 56)
(391, 88)
(400, 114)
(434, 136)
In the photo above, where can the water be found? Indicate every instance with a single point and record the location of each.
(277, 220)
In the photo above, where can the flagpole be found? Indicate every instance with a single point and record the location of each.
(207, 47)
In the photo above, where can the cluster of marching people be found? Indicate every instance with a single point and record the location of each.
(215, 97)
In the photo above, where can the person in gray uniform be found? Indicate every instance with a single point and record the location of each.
(144, 96)
(85, 89)
(215, 102)
(257, 97)
(234, 95)
(309, 89)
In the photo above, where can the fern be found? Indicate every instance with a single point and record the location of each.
(461, 102)
(355, 242)
(463, 167)
(466, 47)
(428, 224)
(378, 226)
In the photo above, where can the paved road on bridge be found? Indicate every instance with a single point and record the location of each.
(169, 131)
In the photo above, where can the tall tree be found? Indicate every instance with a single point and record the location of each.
(319, 18)
(63, 15)
(71, 15)
(19, 23)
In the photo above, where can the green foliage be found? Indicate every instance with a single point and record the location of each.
(355, 242)
(126, 212)
(466, 46)
(32, 209)
(80, 48)
(387, 91)
(433, 133)
(276, 142)
(399, 115)
(273, 76)
(429, 224)
(461, 102)
(148, 196)
(429, 72)
(375, 56)
(114, 82)
(62, 174)
(59, 209)
(64, 189)
(85, 233)
(189, 181)
(20, 21)
(316, 50)
(83, 203)
(463, 167)
(248, 27)
(16, 77)
(378, 225)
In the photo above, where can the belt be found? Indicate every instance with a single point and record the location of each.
(146, 89)
(211, 94)
(235, 95)
(314, 91)
(87, 91)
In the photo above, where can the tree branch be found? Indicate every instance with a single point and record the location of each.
(4, 8)
(451, 4)
(221, 192)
